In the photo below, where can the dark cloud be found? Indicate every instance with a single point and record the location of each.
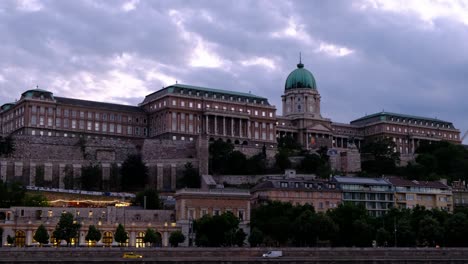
(398, 62)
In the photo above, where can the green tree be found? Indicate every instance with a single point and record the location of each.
(11, 194)
(219, 153)
(68, 179)
(327, 230)
(381, 157)
(93, 234)
(237, 163)
(152, 237)
(35, 200)
(152, 199)
(10, 240)
(239, 237)
(346, 216)
(430, 232)
(67, 228)
(41, 235)
(217, 230)
(120, 235)
(256, 237)
(282, 161)
(1, 236)
(304, 229)
(456, 228)
(134, 173)
(176, 238)
(7, 146)
(91, 177)
(190, 178)
(383, 237)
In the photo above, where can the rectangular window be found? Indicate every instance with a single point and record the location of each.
(49, 121)
(104, 127)
(57, 122)
(41, 120)
(90, 115)
(119, 129)
(90, 125)
(65, 123)
(33, 120)
(59, 111)
(42, 110)
(81, 114)
(129, 130)
(81, 124)
(33, 109)
(104, 117)
(96, 116)
(73, 113)
(111, 128)
(96, 126)
(74, 124)
(174, 102)
(199, 106)
(66, 112)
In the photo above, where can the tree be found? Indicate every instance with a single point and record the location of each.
(239, 237)
(7, 146)
(282, 160)
(11, 194)
(91, 177)
(217, 230)
(219, 153)
(256, 237)
(456, 228)
(152, 237)
(190, 178)
(176, 238)
(68, 179)
(1, 236)
(10, 240)
(383, 237)
(41, 235)
(93, 235)
(152, 199)
(346, 216)
(327, 230)
(134, 173)
(35, 200)
(304, 229)
(382, 157)
(120, 236)
(67, 228)
(430, 232)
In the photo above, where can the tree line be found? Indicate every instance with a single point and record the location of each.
(349, 225)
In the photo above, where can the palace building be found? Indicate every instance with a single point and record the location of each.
(185, 113)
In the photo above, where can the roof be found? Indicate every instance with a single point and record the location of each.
(359, 180)
(37, 90)
(100, 105)
(300, 78)
(397, 181)
(381, 114)
(315, 184)
(213, 90)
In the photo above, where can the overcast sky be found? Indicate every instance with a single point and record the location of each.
(404, 56)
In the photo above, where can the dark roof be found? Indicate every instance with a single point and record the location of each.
(213, 90)
(399, 115)
(360, 180)
(99, 105)
(397, 181)
(276, 184)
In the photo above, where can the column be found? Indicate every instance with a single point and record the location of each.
(132, 239)
(173, 177)
(18, 169)
(105, 171)
(3, 170)
(82, 234)
(206, 125)
(76, 175)
(29, 235)
(307, 140)
(62, 175)
(240, 128)
(215, 125)
(159, 176)
(412, 146)
(248, 129)
(165, 238)
(232, 126)
(224, 126)
(32, 174)
(48, 171)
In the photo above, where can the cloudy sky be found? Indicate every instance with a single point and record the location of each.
(366, 55)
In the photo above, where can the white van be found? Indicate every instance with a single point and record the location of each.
(273, 254)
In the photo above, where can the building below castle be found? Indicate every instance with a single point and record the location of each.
(171, 126)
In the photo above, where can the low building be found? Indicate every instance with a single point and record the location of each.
(376, 194)
(430, 194)
(22, 222)
(321, 194)
(459, 194)
(192, 204)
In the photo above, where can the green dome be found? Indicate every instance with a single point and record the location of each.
(300, 78)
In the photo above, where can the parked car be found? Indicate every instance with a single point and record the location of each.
(131, 255)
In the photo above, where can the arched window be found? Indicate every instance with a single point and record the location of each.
(139, 240)
(107, 239)
(20, 238)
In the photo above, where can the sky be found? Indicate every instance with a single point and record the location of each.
(367, 56)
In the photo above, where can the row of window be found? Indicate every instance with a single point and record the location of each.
(422, 132)
(222, 96)
(182, 103)
(192, 212)
(420, 122)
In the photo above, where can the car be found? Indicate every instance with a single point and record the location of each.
(273, 254)
(131, 255)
